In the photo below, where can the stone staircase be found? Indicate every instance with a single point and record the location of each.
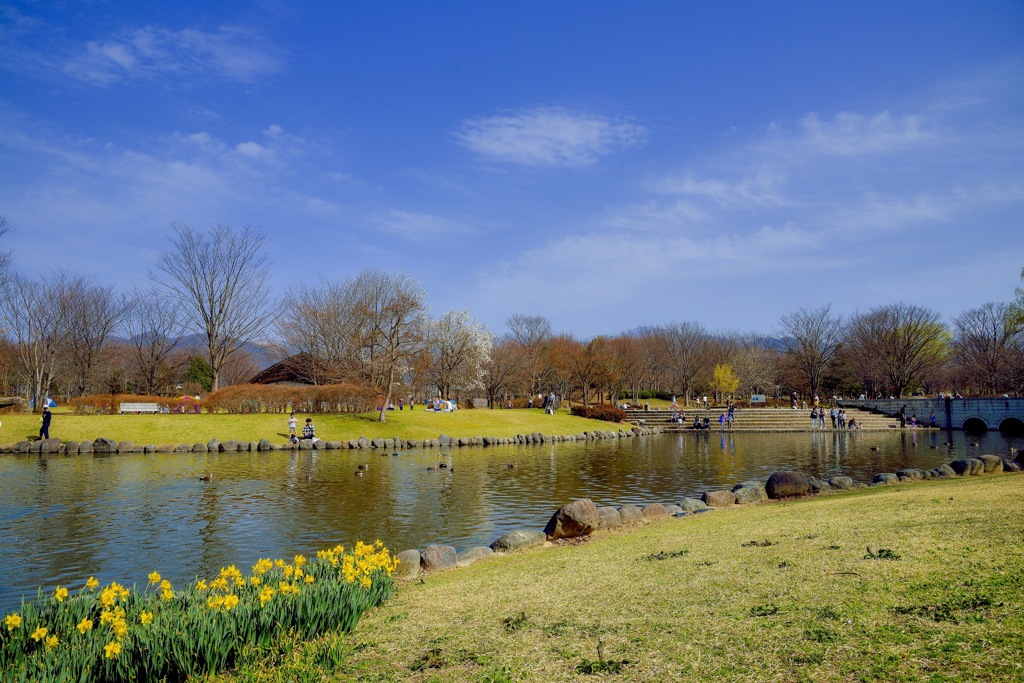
(757, 419)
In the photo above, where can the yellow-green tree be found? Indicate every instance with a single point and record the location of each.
(724, 381)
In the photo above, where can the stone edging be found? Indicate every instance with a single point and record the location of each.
(581, 517)
(104, 445)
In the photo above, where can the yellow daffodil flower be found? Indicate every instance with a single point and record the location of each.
(60, 594)
(120, 628)
(12, 621)
(201, 585)
(230, 601)
(308, 578)
(92, 583)
(84, 625)
(39, 633)
(167, 594)
(154, 578)
(112, 650)
(52, 642)
(146, 618)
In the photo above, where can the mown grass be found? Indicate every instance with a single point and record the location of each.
(407, 424)
(694, 599)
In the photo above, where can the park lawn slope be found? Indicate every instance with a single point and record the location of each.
(407, 424)
(914, 582)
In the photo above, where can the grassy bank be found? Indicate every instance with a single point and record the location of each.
(407, 424)
(921, 582)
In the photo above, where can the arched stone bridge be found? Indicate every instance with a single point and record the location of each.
(968, 414)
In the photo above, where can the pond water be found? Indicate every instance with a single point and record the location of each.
(119, 517)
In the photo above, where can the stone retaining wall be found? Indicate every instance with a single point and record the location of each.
(104, 445)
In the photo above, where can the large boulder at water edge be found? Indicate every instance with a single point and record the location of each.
(610, 518)
(578, 518)
(910, 473)
(408, 564)
(749, 492)
(518, 540)
(841, 482)
(468, 557)
(719, 499)
(102, 445)
(993, 463)
(264, 445)
(71, 447)
(692, 504)
(885, 478)
(967, 466)
(943, 471)
(654, 511)
(786, 484)
(438, 557)
(1010, 465)
(631, 514)
(51, 445)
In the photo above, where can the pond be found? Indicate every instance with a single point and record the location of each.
(119, 517)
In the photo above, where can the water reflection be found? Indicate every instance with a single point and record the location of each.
(119, 517)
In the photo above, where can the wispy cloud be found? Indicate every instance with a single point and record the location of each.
(854, 134)
(229, 52)
(548, 136)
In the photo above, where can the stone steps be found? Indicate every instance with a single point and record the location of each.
(757, 419)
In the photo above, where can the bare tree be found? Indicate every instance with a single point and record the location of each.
(391, 309)
(812, 338)
(5, 256)
(459, 349)
(93, 314)
(586, 363)
(899, 343)
(220, 276)
(36, 316)
(503, 366)
(319, 325)
(687, 355)
(532, 333)
(154, 325)
(757, 366)
(987, 344)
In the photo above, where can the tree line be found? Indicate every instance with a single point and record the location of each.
(207, 304)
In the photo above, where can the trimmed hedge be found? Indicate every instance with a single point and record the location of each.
(263, 398)
(600, 412)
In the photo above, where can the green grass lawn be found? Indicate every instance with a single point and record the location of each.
(915, 582)
(407, 424)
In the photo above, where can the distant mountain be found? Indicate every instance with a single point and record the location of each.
(262, 355)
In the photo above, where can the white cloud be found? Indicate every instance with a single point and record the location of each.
(853, 134)
(229, 52)
(548, 136)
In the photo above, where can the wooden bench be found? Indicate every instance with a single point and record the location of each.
(137, 408)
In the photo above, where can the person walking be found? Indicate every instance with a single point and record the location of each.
(44, 430)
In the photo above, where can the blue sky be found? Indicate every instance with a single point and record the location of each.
(604, 164)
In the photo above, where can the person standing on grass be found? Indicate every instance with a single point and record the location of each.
(44, 430)
(292, 422)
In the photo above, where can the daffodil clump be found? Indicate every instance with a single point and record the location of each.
(112, 633)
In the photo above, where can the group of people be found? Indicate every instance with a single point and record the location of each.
(308, 429)
(819, 417)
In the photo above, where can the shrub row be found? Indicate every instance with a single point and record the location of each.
(262, 398)
(600, 412)
(109, 404)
